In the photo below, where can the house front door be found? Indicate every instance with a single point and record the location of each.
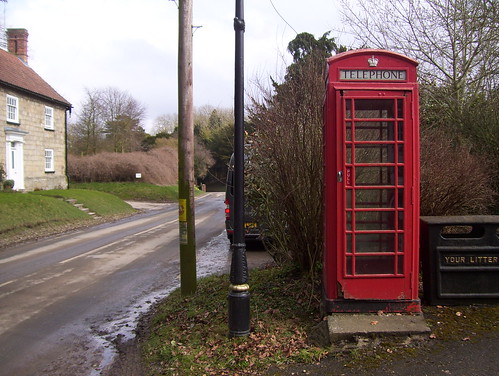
(14, 161)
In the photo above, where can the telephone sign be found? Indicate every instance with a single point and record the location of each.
(371, 158)
(372, 75)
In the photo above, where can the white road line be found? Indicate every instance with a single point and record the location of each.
(74, 240)
(115, 242)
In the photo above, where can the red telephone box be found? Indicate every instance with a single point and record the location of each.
(371, 158)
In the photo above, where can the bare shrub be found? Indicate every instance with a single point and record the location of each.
(453, 181)
(285, 167)
(158, 166)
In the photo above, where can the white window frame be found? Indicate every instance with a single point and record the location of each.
(12, 109)
(49, 118)
(49, 160)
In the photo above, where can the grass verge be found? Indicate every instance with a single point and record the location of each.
(32, 215)
(101, 203)
(188, 335)
(28, 211)
(36, 214)
(133, 191)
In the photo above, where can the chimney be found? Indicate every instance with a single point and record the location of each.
(17, 40)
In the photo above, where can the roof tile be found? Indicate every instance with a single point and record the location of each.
(16, 73)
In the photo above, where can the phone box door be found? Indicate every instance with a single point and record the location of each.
(371, 144)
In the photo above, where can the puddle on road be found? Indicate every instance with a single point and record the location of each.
(214, 258)
(122, 329)
(211, 259)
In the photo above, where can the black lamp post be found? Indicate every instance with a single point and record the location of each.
(239, 297)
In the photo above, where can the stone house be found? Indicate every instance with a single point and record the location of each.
(34, 122)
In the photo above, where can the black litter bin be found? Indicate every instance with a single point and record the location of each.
(460, 259)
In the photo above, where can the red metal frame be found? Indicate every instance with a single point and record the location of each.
(371, 149)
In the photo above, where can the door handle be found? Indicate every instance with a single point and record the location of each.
(340, 176)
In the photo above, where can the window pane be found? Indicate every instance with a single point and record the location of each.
(375, 198)
(49, 117)
(400, 265)
(349, 266)
(400, 203)
(400, 108)
(374, 153)
(374, 131)
(349, 220)
(12, 109)
(401, 220)
(349, 131)
(401, 175)
(49, 160)
(348, 105)
(378, 175)
(349, 243)
(374, 243)
(375, 220)
(401, 242)
(375, 265)
(400, 130)
(374, 108)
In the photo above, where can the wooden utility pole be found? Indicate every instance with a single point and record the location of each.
(186, 152)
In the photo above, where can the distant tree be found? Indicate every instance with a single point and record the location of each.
(305, 49)
(87, 132)
(125, 134)
(148, 143)
(219, 134)
(221, 142)
(305, 44)
(110, 120)
(119, 103)
(215, 120)
(123, 116)
(165, 124)
(203, 160)
(213, 131)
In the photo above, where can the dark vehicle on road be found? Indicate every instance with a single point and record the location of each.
(251, 229)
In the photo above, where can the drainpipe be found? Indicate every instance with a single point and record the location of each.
(68, 109)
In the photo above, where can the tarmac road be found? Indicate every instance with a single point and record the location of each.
(65, 301)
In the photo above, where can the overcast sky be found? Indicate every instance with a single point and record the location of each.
(132, 45)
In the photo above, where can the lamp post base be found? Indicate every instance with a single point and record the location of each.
(239, 311)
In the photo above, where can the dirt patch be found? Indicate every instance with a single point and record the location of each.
(129, 359)
(128, 362)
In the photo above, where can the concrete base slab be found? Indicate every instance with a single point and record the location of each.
(347, 330)
(348, 326)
